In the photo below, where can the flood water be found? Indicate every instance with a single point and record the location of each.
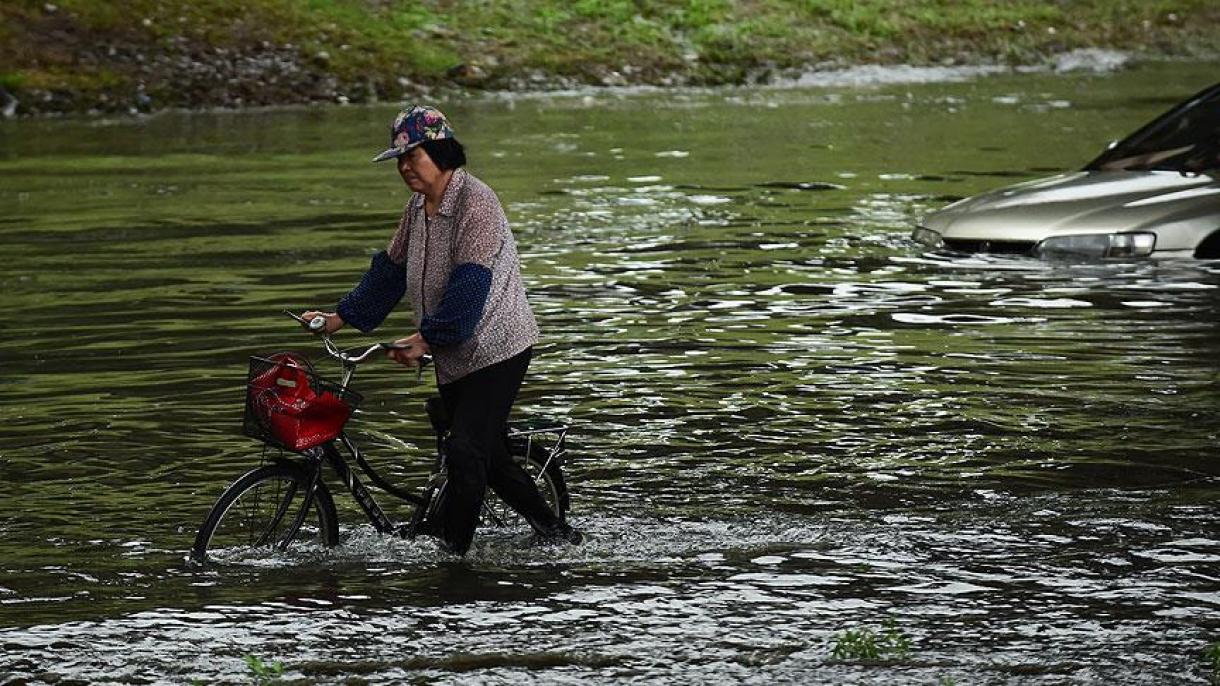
(789, 422)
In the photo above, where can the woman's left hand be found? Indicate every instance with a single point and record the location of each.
(409, 356)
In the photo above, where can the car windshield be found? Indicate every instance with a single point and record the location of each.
(1185, 139)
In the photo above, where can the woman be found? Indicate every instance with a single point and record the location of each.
(455, 259)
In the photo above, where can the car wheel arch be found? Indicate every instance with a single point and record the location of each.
(1209, 248)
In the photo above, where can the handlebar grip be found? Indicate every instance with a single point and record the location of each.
(424, 360)
(315, 325)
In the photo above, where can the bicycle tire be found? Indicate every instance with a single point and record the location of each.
(550, 481)
(272, 500)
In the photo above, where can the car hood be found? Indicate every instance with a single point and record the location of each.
(1087, 202)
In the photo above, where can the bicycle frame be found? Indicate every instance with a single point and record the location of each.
(329, 453)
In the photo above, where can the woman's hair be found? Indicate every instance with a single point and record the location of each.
(446, 153)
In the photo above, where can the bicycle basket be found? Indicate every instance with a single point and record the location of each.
(291, 407)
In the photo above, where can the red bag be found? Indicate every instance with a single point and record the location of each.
(294, 408)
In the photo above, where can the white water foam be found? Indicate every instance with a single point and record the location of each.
(865, 75)
(1091, 60)
(607, 539)
(884, 75)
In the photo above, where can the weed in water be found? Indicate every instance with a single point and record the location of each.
(856, 644)
(264, 672)
(894, 641)
(1212, 654)
(865, 644)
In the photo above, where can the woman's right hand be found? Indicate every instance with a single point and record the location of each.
(333, 321)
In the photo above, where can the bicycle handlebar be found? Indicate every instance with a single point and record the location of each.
(351, 357)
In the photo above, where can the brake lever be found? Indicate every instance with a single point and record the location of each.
(424, 361)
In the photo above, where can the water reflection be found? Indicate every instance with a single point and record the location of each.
(790, 421)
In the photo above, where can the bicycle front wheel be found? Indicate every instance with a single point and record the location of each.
(262, 510)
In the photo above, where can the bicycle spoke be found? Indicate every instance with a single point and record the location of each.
(274, 524)
(297, 521)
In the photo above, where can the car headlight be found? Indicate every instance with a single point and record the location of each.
(927, 237)
(1098, 245)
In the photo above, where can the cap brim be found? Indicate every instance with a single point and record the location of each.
(396, 152)
(390, 154)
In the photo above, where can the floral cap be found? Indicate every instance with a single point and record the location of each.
(413, 126)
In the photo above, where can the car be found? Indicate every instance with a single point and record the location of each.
(1155, 193)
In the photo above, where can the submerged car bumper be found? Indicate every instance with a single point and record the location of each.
(1094, 246)
(936, 241)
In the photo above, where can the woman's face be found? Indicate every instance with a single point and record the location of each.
(418, 170)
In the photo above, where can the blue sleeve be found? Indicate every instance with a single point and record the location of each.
(461, 306)
(370, 302)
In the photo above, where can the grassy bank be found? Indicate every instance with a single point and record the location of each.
(71, 55)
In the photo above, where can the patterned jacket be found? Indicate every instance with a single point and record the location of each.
(460, 272)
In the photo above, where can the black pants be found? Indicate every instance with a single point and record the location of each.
(477, 453)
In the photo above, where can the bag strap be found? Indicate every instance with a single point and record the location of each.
(286, 370)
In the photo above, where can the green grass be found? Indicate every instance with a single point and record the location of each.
(12, 81)
(374, 44)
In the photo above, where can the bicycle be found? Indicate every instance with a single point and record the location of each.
(300, 417)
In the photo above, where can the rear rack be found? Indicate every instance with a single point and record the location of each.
(531, 433)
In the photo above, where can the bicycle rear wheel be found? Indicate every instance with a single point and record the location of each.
(260, 511)
(547, 477)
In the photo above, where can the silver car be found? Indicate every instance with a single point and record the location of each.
(1156, 192)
